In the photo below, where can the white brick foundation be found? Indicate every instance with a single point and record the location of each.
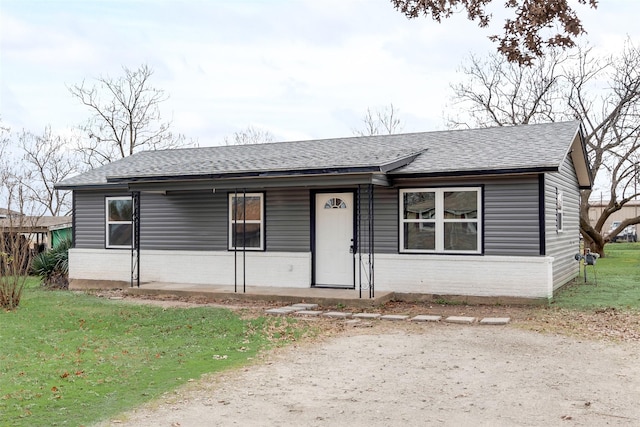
(491, 276)
(484, 276)
(216, 268)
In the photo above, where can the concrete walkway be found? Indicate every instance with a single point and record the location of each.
(311, 310)
(304, 302)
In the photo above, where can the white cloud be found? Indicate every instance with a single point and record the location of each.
(302, 69)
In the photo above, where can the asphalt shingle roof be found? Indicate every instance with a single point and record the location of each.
(487, 149)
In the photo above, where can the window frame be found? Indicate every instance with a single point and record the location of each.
(232, 222)
(439, 221)
(559, 210)
(108, 222)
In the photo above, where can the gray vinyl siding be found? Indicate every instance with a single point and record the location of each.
(288, 220)
(89, 219)
(511, 217)
(563, 245)
(194, 221)
(385, 220)
(197, 221)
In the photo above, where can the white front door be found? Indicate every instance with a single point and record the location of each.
(334, 240)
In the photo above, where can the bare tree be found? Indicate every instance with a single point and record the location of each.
(125, 117)
(14, 247)
(499, 93)
(4, 143)
(611, 116)
(526, 36)
(383, 121)
(15, 252)
(602, 92)
(48, 159)
(250, 135)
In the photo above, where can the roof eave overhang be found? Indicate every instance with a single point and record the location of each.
(103, 186)
(477, 172)
(244, 182)
(580, 159)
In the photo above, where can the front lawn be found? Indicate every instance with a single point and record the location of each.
(71, 359)
(614, 282)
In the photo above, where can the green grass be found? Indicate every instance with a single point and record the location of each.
(72, 359)
(618, 282)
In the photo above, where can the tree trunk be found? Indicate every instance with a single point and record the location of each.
(593, 240)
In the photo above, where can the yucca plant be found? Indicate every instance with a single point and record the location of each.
(53, 266)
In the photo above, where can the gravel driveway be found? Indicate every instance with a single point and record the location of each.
(410, 374)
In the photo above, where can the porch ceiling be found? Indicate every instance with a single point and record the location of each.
(260, 182)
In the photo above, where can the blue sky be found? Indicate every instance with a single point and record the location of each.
(300, 69)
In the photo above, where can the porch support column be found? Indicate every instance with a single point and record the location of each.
(135, 244)
(365, 234)
(371, 242)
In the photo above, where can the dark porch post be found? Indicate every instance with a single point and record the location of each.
(135, 245)
(365, 224)
(244, 240)
(371, 243)
(233, 240)
(358, 234)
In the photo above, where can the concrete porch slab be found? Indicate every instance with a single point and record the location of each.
(324, 297)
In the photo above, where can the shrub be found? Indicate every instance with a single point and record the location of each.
(53, 266)
(14, 263)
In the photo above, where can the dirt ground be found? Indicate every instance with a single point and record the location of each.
(547, 367)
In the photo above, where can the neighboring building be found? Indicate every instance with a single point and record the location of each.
(486, 212)
(42, 232)
(6, 213)
(629, 210)
(60, 233)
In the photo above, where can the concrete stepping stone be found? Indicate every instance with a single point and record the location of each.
(426, 318)
(460, 319)
(291, 309)
(394, 317)
(309, 313)
(367, 315)
(495, 320)
(337, 314)
(305, 306)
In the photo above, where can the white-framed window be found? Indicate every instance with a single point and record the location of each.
(119, 222)
(246, 221)
(440, 220)
(559, 210)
